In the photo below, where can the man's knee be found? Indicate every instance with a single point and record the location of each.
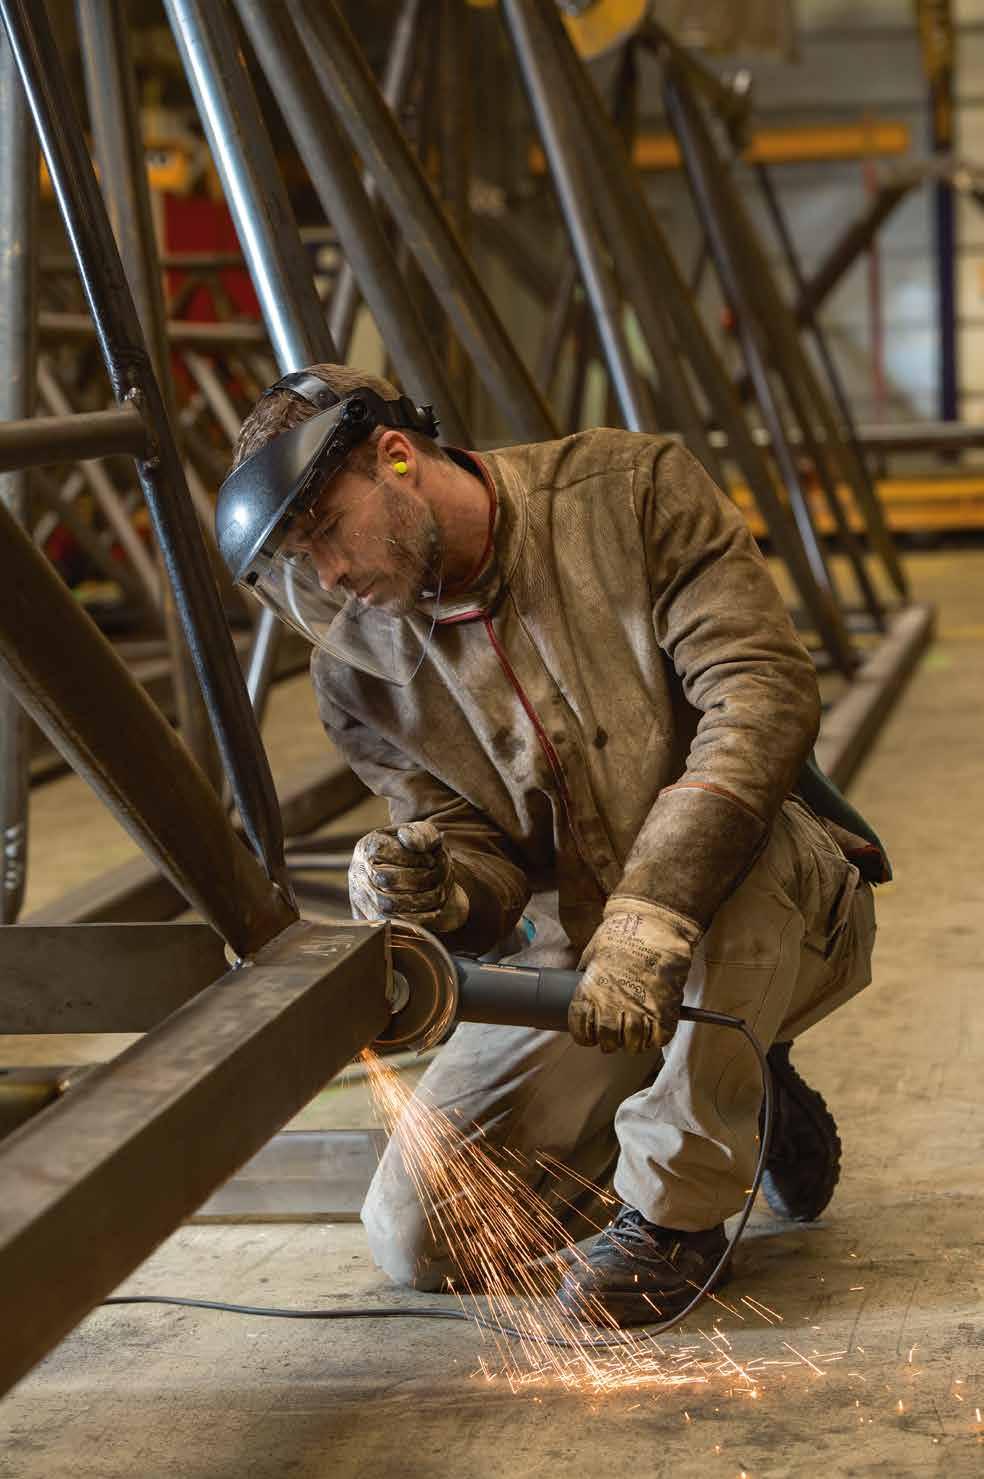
(400, 1241)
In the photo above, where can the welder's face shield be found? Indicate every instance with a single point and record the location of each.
(359, 575)
(352, 561)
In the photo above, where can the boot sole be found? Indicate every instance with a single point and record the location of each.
(796, 1204)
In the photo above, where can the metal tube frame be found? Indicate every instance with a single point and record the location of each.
(700, 168)
(395, 82)
(864, 488)
(618, 189)
(559, 131)
(351, 90)
(113, 112)
(161, 474)
(335, 177)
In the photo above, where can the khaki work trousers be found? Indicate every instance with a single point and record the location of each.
(674, 1134)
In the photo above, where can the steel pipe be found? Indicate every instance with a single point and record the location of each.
(351, 89)
(45, 440)
(115, 118)
(701, 174)
(559, 130)
(618, 189)
(161, 475)
(328, 160)
(18, 361)
(105, 492)
(62, 328)
(394, 86)
(278, 262)
(255, 193)
(861, 481)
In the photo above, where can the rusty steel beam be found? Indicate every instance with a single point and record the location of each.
(96, 1181)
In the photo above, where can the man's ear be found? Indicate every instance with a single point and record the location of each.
(396, 454)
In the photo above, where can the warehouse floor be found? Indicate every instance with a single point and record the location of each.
(876, 1365)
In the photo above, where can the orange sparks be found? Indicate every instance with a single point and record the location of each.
(496, 1216)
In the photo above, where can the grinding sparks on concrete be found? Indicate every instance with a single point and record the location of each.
(503, 1237)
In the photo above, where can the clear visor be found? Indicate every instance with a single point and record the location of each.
(365, 590)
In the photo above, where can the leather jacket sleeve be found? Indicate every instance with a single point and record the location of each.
(721, 622)
(484, 861)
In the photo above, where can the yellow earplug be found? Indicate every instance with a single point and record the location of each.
(400, 468)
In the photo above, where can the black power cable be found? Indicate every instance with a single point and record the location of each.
(399, 1312)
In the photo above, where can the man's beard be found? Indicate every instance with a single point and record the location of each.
(416, 548)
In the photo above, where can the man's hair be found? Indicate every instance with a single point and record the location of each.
(274, 414)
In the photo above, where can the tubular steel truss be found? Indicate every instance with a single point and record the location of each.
(136, 1145)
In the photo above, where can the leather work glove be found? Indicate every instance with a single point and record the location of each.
(407, 873)
(635, 968)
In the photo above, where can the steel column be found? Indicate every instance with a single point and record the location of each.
(142, 1141)
(328, 160)
(18, 359)
(351, 89)
(78, 690)
(133, 381)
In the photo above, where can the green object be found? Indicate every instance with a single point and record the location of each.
(820, 793)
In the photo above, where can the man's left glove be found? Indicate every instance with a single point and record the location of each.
(407, 872)
(635, 968)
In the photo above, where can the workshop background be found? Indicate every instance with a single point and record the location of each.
(838, 393)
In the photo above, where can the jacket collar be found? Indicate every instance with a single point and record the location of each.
(506, 489)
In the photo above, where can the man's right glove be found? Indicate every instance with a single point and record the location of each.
(635, 968)
(408, 873)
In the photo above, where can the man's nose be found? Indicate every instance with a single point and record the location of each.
(330, 566)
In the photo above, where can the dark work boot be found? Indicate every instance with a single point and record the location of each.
(640, 1273)
(804, 1159)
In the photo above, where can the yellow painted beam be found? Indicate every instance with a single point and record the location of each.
(912, 505)
(865, 140)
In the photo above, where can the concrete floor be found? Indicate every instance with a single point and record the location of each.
(891, 1277)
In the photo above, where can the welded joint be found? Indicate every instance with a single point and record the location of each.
(135, 397)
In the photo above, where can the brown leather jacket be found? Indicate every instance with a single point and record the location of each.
(618, 708)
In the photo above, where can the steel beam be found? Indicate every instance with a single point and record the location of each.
(351, 90)
(139, 891)
(102, 977)
(852, 722)
(143, 1140)
(78, 691)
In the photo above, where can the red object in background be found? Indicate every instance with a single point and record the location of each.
(196, 223)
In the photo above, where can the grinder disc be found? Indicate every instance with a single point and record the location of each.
(432, 990)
